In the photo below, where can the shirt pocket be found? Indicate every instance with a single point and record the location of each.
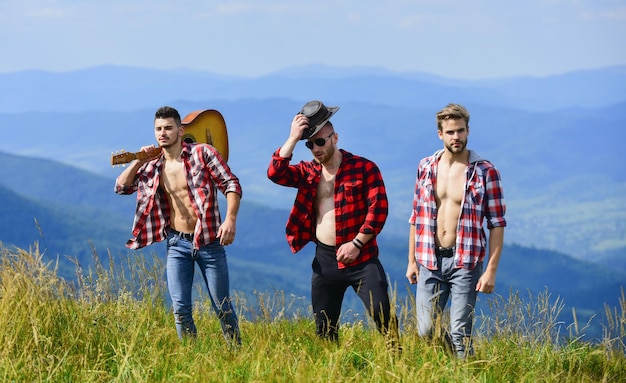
(146, 186)
(353, 191)
(476, 192)
(198, 178)
(424, 191)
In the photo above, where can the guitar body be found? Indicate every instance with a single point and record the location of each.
(203, 126)
(208, 127)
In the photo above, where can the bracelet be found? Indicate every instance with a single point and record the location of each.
(358, 241)
(354, 242)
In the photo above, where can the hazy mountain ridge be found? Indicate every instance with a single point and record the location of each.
(260, 258)
(554, 167)
(127, 88)
(563, 188)
(59, 230)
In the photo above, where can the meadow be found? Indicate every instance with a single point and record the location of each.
(113, 324)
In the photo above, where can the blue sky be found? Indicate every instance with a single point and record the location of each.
(456, 39)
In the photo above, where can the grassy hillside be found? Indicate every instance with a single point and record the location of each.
(70, 213)
(113, 326)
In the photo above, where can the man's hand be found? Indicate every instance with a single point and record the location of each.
(298, 125)
(226, 232)
(347, 253)
(412, 272)
(486, 283)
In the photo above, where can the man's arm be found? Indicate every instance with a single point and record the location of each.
(126, 179)
(279, 171)
(377, 203)
(375, 216)
(412, 270)
(487, 281)
(227, 230)
(299, 123)
(496, 223)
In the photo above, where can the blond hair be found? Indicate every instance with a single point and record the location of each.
(452, 112)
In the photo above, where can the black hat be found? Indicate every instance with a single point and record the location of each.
(318, 115)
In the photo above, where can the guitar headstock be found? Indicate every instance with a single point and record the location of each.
(123, 157)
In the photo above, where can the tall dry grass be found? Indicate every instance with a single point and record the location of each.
(113, 325)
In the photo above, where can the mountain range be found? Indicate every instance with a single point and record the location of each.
(71, 215)
(556, 141)
(552, 138)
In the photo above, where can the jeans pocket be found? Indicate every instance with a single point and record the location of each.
(172, 240)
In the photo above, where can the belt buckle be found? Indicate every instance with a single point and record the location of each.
(446, 252)
(187, 236)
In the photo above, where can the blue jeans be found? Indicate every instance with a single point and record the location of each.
(211, 259)
(434, 287)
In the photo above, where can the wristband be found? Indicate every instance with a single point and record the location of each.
(354, 242)
(358, 241)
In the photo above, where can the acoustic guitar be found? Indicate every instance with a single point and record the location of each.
(202, 126)
(123, 157)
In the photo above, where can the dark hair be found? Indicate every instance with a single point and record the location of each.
(168, 112)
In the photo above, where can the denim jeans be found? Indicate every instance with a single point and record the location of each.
(211, 259)
(434, 287)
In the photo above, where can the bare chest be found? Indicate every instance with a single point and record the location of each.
(326, 187)
(173, 179)
(450, 183)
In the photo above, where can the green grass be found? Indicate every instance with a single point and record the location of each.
(113, 325)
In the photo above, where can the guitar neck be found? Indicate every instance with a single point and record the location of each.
(141, 155)
(126, 157)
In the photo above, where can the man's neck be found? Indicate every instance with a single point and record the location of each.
(451, 158)
(334, 162)
(173, 152)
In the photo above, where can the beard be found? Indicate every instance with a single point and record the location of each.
(325, 156)
(171, 141)
(458, 149)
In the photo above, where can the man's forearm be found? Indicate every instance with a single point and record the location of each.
(496, 241)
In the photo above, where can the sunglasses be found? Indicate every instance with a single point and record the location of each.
(318, 141)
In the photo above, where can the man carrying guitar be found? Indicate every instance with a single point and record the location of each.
(177, 202)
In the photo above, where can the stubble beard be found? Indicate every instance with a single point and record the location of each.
(458, 150)
(327, 156)
(169, 143)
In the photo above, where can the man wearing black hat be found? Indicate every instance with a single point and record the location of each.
(341, 205)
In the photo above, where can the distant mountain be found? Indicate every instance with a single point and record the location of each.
(51, 181)
(563, 187)
(127, 88)
(60, 231)
(555, 140)
(73, 222)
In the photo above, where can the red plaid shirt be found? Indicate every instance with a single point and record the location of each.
(206, 172)
(483, 198)
(360, 201)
